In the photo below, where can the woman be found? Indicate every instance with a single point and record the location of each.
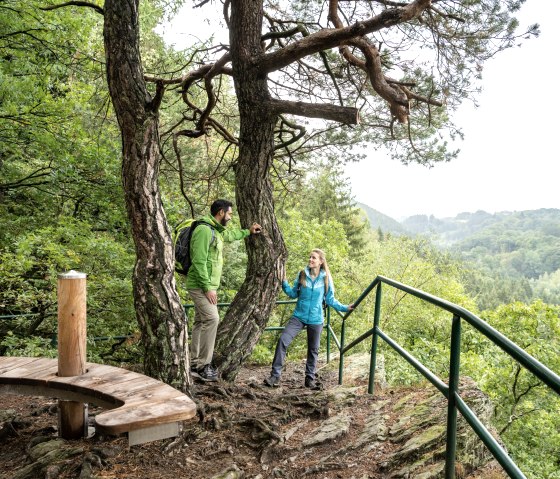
(312, 286)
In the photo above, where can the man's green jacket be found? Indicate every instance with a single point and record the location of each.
(206, 253)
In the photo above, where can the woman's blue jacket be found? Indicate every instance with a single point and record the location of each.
(309, 306)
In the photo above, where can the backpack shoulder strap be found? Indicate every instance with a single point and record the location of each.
(212, 229)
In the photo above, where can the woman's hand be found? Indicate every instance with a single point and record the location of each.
(351, 307)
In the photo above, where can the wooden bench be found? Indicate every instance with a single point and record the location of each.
(143, 407)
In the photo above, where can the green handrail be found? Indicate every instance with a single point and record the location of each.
(331, 335)
(451, 390)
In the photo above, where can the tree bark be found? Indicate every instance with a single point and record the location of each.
(158, 307)
(247, 317)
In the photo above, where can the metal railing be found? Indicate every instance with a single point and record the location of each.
(331, 335)
(451, 390)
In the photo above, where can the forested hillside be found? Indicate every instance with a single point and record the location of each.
(508, 256)
(380, 222)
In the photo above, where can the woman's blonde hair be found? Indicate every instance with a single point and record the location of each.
(324, 265)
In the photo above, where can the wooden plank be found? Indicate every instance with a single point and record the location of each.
(124, 419)
(9, 362)
(130, 389)
(39, 370)
(94, 378)
(9, 365)
(54, 393)
(19, 374)
(152, 396)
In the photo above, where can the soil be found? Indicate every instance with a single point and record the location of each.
(244, 426)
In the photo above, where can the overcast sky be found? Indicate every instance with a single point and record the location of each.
(508, 160)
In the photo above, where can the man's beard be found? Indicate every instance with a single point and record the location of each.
(223, 222)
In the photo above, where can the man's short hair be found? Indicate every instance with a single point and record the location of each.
(220, 205)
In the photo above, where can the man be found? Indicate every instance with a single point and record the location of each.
(203, 280)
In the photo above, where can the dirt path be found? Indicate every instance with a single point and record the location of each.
(242, 430)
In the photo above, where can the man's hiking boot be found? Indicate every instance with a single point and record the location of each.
(272, 381)
(206, 373)
(313, 384)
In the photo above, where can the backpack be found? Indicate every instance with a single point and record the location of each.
(182, 240)
(302, 278)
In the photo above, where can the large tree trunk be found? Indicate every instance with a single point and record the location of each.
(158, 306)
(247, 317)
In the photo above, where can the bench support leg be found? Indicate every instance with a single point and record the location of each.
(153, 433)
(72, 419)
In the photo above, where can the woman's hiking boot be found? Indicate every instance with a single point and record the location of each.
(272, 381)
(313, 384)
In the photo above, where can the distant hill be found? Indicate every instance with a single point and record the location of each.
(521, 242)
(463, 227)
(379, 220)
(446, 231)
(517, 254)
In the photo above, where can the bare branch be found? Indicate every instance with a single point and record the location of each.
(215, 70)
(180, 164)
(295, 137)
(156, 101)
(342, 114)
(76, 3)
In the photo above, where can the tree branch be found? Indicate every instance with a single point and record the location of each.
(76, 3)
(330, 38)
(295, 137)
(342, 114)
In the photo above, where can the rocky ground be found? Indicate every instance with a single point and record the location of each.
(248, 430)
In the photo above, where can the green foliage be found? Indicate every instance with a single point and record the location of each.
(34, 346)
(547, 287)
(329, 198)
(526, 410)
(28, 277)
(50, 95)
(422, 328)
(492, 289)
(61, 201)
(325, 196)
(301, 236)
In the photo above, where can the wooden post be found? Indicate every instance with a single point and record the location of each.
(72, 349)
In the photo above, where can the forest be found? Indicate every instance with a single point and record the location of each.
(507, 255)
(72, 176)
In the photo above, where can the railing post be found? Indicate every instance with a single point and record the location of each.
(341, 355)
(328, 334)
(71, 299)
(454, 364)
(373, 358)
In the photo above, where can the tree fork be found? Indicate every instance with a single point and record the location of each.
(247, 317)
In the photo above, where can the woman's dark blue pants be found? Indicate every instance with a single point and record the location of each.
(291, 330)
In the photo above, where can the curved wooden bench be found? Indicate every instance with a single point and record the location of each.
(143, 407)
